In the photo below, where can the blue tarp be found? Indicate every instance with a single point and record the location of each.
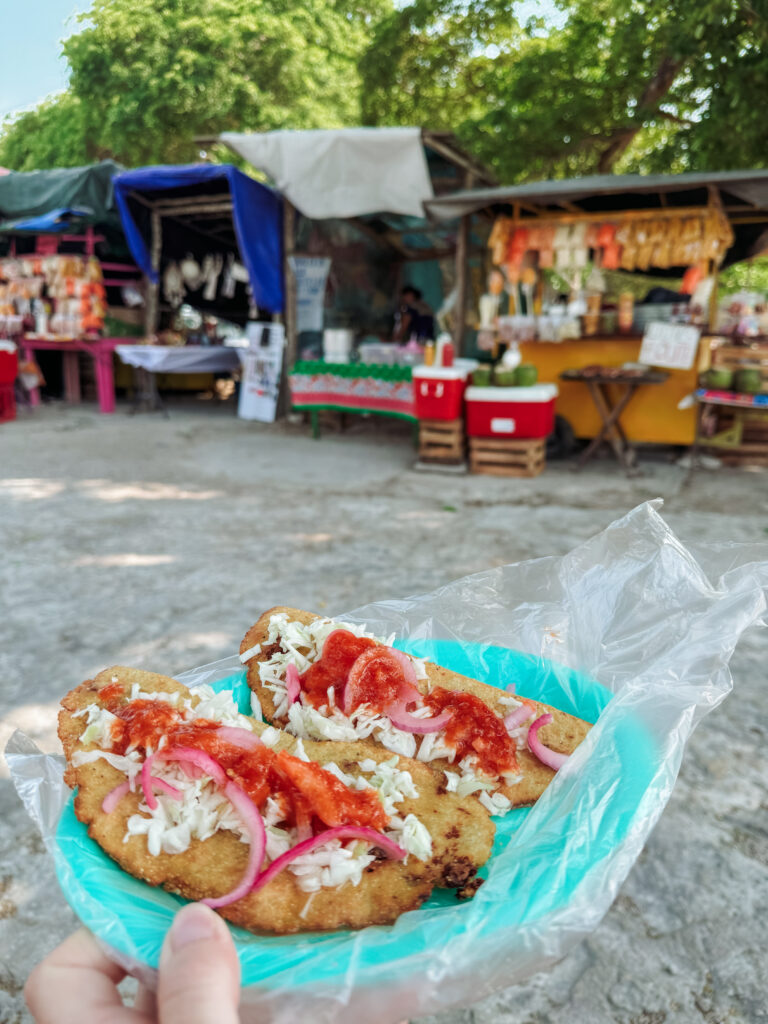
(256, 213)
(48, 223)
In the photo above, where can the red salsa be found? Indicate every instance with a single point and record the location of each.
(304, 789)
(475, 729)
(340, 651)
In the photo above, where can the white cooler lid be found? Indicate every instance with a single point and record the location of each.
(536, 393)
(441, 372)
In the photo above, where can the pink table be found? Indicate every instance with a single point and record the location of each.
(101, 353)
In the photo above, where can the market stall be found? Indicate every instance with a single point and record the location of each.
(63, 273)
(354, 234)
(209, 237)
(569, 259)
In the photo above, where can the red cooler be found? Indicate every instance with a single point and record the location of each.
(511, 412)
(439, 390)
(9, 365)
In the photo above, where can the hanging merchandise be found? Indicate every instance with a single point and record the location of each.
(191, 273)
(212, 268)
(173, 284)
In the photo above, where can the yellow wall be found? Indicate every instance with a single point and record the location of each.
(652, 414)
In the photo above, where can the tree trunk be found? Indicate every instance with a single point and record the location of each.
(653, 94)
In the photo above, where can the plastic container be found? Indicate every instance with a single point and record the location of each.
(7, 403)
(438, 392)
(9, 362)
(511, 412)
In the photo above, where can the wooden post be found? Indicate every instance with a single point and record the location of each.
(289, 308)
(153, 287)
(462, 275)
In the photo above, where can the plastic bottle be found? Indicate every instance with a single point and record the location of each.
(448, 353)
(429, 353)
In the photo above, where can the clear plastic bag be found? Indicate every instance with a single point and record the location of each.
(632, 609)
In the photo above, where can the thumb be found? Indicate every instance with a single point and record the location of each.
(199, 977)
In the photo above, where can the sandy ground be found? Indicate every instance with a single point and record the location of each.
(156, 542)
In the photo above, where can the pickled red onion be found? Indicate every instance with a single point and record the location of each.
(114, 796)
(518, 716)
(292, 683)
(197, 758)
(551, 758)
(368, 835)
(254, 823)
(239, 737)
(146, 782)
(409, 691)
(402, 719)
(166, 787)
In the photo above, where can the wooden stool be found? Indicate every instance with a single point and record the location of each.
(441, 441)
(507, 457)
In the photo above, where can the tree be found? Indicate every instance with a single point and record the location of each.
(51, 135)
(607, 85)
(147, 76)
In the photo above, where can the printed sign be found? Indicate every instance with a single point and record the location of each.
(311, 273)
(262, 364)
(672, 346)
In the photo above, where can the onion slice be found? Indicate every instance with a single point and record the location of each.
(409, 691)
(239, 737)
(199, 759)
(146, 782)
(368, 835)
(114, 796)
(166, 787)
(292, 683)
(254, 823)
(402, 719)
(518, 716)
(551, 758)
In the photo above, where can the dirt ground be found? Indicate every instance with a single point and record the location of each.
(156, 542)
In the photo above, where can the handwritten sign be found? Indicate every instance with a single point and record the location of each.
(672, 346)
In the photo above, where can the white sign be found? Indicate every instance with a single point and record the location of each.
(311, 273)
(262, 365)
(672, 346)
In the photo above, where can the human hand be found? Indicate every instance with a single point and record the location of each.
(198, 979)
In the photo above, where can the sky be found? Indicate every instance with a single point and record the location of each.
(32, 67)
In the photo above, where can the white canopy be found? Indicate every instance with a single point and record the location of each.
(343, 172)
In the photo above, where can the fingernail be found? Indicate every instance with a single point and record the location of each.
(194, 923)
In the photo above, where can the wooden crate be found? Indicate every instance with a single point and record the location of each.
(441, 441)
(741, 438)
(742, 357)
(507, 457)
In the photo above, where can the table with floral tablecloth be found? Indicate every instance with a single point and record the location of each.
(354, 387)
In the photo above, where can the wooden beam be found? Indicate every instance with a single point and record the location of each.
(290, 306)
(387, 239)
(462, 277)
(194, 201)
(594, 216)
(153, 287)
(444, 143)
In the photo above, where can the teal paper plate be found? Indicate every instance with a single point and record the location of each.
(133, 917)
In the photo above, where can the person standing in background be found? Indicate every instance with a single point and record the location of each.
(414, 318)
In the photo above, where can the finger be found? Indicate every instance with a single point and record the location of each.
(77, 984)
(199, 978)
(145, 1002)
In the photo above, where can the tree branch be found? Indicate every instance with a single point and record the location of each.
(653, 94)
